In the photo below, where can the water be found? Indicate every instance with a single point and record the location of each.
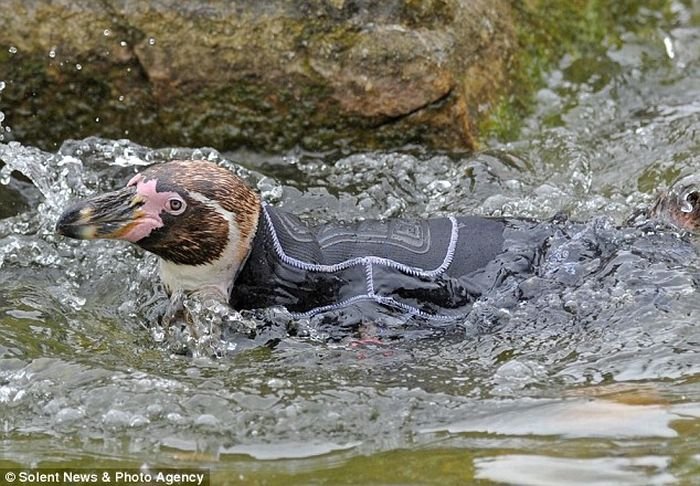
(588, 383)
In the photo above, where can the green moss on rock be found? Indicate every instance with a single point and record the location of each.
(549, 29)
(272, 75)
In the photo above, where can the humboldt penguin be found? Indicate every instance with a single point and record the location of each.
(210, 230)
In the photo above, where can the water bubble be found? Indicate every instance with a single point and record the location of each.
(207, 421)
(121, 98)
(123, 43)
(276, 383)
(116, 419)
(138, 421)
(2, 116)
(2, 85)
(439, 186)
(52, 53)
(12, 50)
(78, 67)
(97, 119)
(107, 32)
(176, 418)
(68, 159)
(154, 410)
(75, 302)
(68, 415)
(151, 41)
(5, 175)
(270, 190)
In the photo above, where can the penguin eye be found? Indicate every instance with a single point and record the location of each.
(176, 206)
(690, 201)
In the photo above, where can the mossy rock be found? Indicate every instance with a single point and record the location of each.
(270, 75)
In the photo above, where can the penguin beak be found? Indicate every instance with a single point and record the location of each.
(109, 215)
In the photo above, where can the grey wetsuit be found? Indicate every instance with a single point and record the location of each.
(433, 268)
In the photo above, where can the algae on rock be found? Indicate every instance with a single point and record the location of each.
(275, 74)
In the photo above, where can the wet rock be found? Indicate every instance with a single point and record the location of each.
(263, 74)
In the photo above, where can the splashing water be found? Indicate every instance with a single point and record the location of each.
(2, 115)
(82, 318)
(115, 284)
(595, 369)
(80, 169)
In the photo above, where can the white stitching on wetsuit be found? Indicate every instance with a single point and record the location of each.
(388, 301)
(367, 261)
(324, 308)
(314, 267)
(370, 279)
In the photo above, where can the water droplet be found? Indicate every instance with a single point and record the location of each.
(122, 43)
(5, 175)
(121, 98)
(97, 119)
(12, 50)
(78, 67)
(8, 129)
(52, 53)
(151, 41)
(668, 44)
(107, 32)
(2, 116)
(2, 85)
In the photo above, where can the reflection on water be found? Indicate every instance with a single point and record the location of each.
(544, 471)
(84, 379)
(574, 418)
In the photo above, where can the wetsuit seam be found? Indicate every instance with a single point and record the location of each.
(370, 279)
(387, 301)
(329, 307)
(314, 267)
(390, 301)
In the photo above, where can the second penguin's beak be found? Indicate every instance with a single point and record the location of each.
(109, 215)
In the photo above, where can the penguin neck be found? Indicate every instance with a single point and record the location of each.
(218, 274)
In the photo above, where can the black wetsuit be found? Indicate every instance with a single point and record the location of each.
(434, 269)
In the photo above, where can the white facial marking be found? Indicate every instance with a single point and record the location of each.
(218, 274)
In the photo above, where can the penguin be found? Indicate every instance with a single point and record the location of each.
(211, 231)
